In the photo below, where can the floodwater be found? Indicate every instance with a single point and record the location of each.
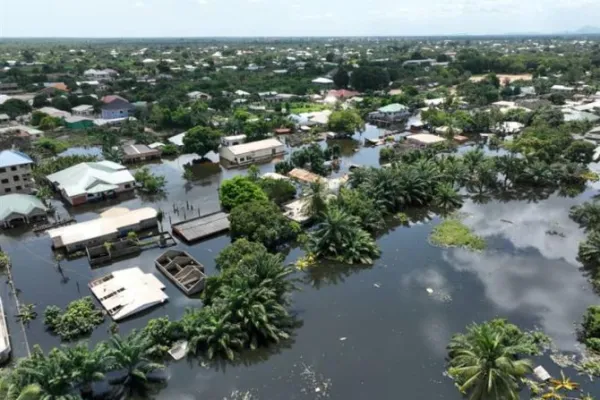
(366, 332)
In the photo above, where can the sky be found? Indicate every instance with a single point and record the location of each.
(198, 18)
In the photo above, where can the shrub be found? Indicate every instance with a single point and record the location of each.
(79, 319)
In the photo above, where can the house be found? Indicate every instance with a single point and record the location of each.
(54, 112)
(139, 152)
(22, 131)
(5, 348)
(562, 88)
(196, 95)
(323, 81)
(78, 122)
(391, 112)
(128, 291)
(424, 139)
(241, 93)
(16, 209)
(54, 88)
(112, 225)
(15, 172)
(248, 153)
(342, 94)
(183, 270)
(92, 181)
(509, 127)
(116, 107)
(4, 118)
(9, 88)
(305, 176)
(100, 74)
(233, 140)
(177, 140)
(419, 62)
(83, 110)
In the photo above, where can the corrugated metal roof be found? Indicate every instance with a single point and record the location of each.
(16, 203)
(10, 158)
(254, 146)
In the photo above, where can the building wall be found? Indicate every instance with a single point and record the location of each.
(16, 179)
(113, 114)
(251, 157)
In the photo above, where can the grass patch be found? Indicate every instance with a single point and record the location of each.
(453, 233)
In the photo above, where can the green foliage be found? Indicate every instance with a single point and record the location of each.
(446, 197)
(149, 182)
(339, 237)
(233, 254)
(201, 140)
(239, 190)
(311, 157)
(80, 318)
(358, 203)
(369, 78)
(386, 154)
(261, 221)
(51, 146)
(4, 260)
(453, 233)
(580, 151)
(341, 79)
(487, 361)
(26, 313)
(169, 149)
(346, 122)
(14, 107)
(279, 191)
(161, 334)
(587, 215)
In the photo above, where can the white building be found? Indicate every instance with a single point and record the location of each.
(83, 110)
(19, 208)
(92, 181)
(100, 74)
(233, 140)
(323, 81)
(197, 95)
(15, 172)
(425, 139)
(112, 224)
(127, 292)
(248, 153)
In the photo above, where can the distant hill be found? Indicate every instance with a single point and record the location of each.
(587, 30)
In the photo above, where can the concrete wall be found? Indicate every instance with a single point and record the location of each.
(16, 179)
(255, 156)
(113, 114)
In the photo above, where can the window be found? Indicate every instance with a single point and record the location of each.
(274, 151)
(19, 188)
(4, 180)
(7, 190)
(127, 186)
(2, 170)
(16, 178)
(13, 168)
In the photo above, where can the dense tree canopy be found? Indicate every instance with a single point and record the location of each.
(239, 190)
(201, 140)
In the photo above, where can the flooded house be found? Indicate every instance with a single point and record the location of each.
(253, 152)
(183, 270)
(127, 292)
(91, 181)
(17, 209)
(112, 224)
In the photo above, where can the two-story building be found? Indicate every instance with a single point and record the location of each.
(15, 172)
(116, 107)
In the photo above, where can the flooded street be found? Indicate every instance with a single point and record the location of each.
(366, 332)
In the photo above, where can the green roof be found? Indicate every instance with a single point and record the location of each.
(19, 204)
(392, 108)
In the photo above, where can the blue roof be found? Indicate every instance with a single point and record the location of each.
(8, 158)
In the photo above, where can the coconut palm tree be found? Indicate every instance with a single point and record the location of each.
(446, 197)
(218, 334)
(587, 215)
(472, 159)
(130, 355)
(315, 201)
(537, 174)
(589, 250)
(452, 169)
(483, 177)
(88, 365)
(340, 237)
(10, 391)
(485, 366)
(510, 167)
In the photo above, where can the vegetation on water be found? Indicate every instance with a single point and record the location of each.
(489, 361)
(4, 260)
(26, 313)
(149, 182)
(239, 190)
(453, 233)
(78, 319)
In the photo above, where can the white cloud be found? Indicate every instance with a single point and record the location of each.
(139, 4)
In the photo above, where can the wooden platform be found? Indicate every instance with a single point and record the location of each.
(202, 227)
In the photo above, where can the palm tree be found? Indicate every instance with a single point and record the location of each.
(130, 355)
(589, 250)
(485, 366)
(10, 391)
(446, 197)
(472, 159)
(483, 177)
(88, 366)
(587, 215)
(510, 167)
(537, 174)
(452, 169)
(340, 237)
(218, 334)
(315, 202)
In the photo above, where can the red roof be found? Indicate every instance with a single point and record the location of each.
(111, 98)
(281, 131)
(342, 93)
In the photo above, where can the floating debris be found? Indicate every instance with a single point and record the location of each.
(377, 285)
(429, 290)
(316, 384)
(343, 338)
(237, 395)
(541, 373)
(553, 232)
(507, 221)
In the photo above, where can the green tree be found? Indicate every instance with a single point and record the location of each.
(40, 100)
(279, 191)
(315, 201)
(587, 215)
(339, 237)
(233, 254)
(370, 78)
(88, 365)
(61, 103)
(341, 79)
(485, 366)
(580, 151)
(262, 222)
(346, 122)
(201, 140)
(239, 190)
(14, 108)
(446, 197)
(217, 334)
